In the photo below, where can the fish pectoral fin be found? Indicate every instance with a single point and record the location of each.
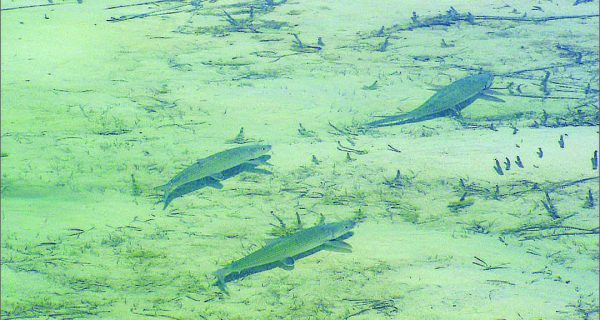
(493, 92)
(337, 246)
(259, 171)
(215, 184)
(287, 263)
(490, 98)
(218, 176)
(256, 162)
(346, 235)
(455, 112)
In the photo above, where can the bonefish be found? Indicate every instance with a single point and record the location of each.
(449, 99)
(213, 165)
(215, 180)
(283, 250)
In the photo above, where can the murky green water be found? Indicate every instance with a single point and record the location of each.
(104, 101)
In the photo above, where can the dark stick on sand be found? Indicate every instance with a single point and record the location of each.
(141, 4)
(30, 6)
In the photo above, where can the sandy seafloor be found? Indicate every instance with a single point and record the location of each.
(97, 113)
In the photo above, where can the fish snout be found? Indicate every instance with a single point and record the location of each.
(351, 224)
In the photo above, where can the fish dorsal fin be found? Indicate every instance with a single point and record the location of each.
(435, 87)
(287, 263)
(163, 187)
(337, 246)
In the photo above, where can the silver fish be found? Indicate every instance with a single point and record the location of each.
(449, 99)
(284, 249)
(213, 165)
(212, 181)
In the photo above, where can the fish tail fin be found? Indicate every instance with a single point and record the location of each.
(166, 189)
(388, 121)
(165, 202)
(221, 274)
(165, 198)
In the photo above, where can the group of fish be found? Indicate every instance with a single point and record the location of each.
(281, 252)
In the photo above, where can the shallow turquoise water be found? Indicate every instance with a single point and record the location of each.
(102, 102)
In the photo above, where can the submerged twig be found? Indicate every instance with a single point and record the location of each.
(536, 19)
(159, 12)
(486, 266)
(30, 6)
(282, 229)
(343, 132)
(452, 16)
(518, 188)
(397, 182)
(391, 148)
(141, 4)
(343, 148)
(549, 205)
(589, 200)
(386, 306)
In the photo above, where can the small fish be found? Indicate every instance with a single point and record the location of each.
(283, 250)
(449, 99)
(213, 165)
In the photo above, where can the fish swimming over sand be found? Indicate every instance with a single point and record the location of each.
(283, 250)
(213, 182)
(449, 99)
(213, 165)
